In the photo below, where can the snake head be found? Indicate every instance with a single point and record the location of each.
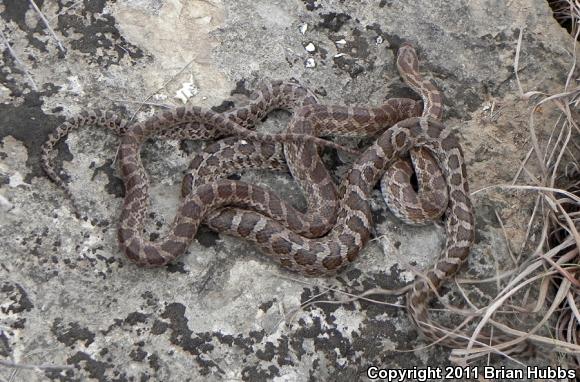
(407, 60)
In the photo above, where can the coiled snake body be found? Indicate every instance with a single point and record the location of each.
(262, 217)
(318, 255)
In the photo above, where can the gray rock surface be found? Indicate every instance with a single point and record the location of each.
(223, 311)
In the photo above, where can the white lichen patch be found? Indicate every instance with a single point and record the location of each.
(388, 344)
(310, 63)
(16, 179)
(348, 321)
(4, 94)
(187, 90)
(5, 204)
(13, 162)
(74, 85)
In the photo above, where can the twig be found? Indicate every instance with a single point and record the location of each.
(161, 88)
(505, 236)
(34, 367)
(517, 61)
(15, 56)
(45, 21)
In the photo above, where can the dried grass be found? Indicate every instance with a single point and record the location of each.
(549, 272)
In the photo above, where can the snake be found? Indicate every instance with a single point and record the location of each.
(253, 220)
(311, 256)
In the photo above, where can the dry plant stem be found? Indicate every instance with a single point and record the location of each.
(562, 271)
(162, 87)
(529, 227)
(522, 166)
(561, 345)
(15, 56)
(43, 353)
(573, 306)
(47, 24)
(34, 367)
(517, 61)
(498, 302)
(524, 272)
(456, 332)
(146, 100)
(467, 281)
(575, 198)
(154, 104)
(465, 296)
(361, 296)
(483, 348)
(505, 236)
(572, 230)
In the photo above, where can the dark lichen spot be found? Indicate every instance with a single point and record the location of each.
(311, 5)
(136, 318)
(241, 88)
(207, 237)
(267, 305)
(176, 267)
(223, 107)
(96, 369)
(28, 124)
(267, 354)
(257, 373)
(333, 21)
(15, 300)
(115, 185)
(5, 348)
(138, 354)
(159, 327)
(72, 333)
(154, 362)
(97, 37)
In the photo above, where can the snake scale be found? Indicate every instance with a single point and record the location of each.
(260, 217)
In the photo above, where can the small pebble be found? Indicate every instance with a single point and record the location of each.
(338, 55)
(310, 63)
(303, 28)
(310, 47)
(340, 42)
(379, 40)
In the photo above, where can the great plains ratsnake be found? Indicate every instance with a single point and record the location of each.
(338, 221)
